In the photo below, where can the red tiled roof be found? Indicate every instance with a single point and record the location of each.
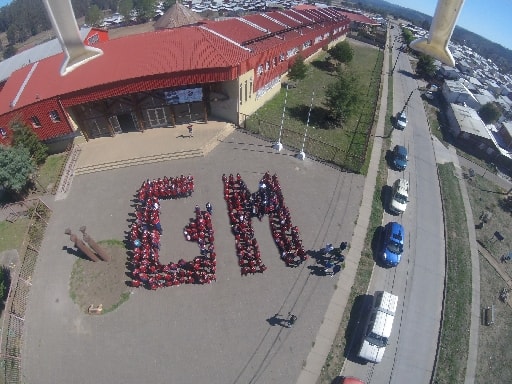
(265, 22)
(166, 58)
(359, 18)
(284, 18)
(235, 29)
(147, 55)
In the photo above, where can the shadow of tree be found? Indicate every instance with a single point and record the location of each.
(323, 65)
(318, 118)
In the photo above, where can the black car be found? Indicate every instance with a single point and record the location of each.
(400, 157)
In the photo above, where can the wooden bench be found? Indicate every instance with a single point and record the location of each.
(489, 315)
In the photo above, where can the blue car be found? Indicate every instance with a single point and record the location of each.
(400, 157)
(393, 244)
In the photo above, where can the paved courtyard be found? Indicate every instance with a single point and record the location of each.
(216, 333)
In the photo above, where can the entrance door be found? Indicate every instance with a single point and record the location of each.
(114, 122)
(126, 122)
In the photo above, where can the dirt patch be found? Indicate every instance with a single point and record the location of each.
(95, 283)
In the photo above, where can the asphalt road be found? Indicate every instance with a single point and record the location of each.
(419, 278)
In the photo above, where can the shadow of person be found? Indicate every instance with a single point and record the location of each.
(278, 320)
(317, 270)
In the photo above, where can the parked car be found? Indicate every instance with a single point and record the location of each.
(400, 157)
(401, 120)
(429, 95)
(399, 196)
(393, 244)
(378, 326)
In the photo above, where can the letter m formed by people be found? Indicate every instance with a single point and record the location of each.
(267, 200)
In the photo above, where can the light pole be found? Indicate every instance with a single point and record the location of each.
(302, 155)
(278, 146)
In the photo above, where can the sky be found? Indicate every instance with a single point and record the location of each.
(488, 18)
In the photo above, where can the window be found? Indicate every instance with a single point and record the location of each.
(241, 97)
(156, 117)
(54, 116)
(35, 122)
(245, 90)
(250, 88)
(3, 133)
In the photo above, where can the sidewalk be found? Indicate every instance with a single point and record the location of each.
(333, 316)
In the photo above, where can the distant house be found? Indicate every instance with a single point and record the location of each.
(505, 135)
(465, 67)
(464, 122)
(456, 92)
(484, 98)
(493, 87)
(449, 73)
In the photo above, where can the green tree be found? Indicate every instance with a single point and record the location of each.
(342, 97)
(24, 137)
(94, 15)
(12, 34)
(145, 9)
(489, 113)
(342, 52)
(125, 8)
(407, 35)
(16, 168)
(9, 51)
(425, 66)
(298, 70)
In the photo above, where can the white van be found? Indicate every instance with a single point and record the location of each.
(379, 326)
(399, 196)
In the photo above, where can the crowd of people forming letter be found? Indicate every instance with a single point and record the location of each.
(145, 267)
(145, 231)
(268, 200)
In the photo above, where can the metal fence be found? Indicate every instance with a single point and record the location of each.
(11, 335)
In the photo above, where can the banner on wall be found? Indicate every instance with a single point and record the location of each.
(181, 96)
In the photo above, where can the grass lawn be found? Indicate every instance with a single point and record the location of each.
(11, 234)
(48, 174)
(453, 353)
(345, 145)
